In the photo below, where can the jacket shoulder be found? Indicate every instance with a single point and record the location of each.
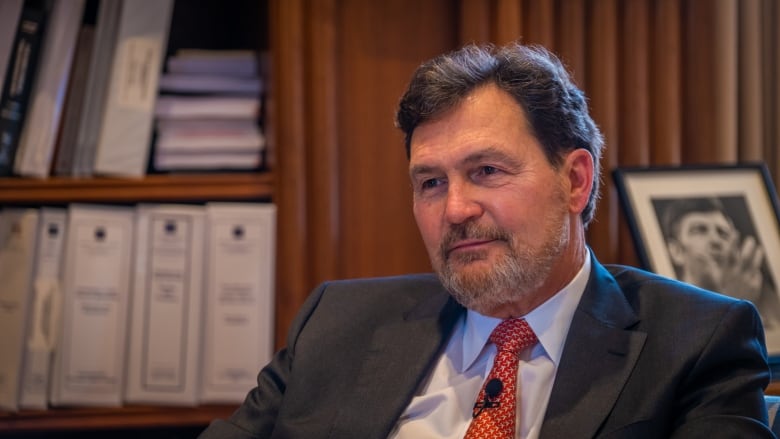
(641, 285)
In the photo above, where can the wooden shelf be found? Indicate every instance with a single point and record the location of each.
(160, 188)
(63, 419)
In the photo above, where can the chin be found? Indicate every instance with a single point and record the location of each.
(471, 271)
(491, 305)
(468, 258)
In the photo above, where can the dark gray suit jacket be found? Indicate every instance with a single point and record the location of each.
(646, 357)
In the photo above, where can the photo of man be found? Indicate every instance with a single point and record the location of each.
(712, 243)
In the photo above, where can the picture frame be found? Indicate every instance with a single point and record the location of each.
(714, 226)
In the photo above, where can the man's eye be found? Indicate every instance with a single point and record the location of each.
(430, 183)
(488, 170)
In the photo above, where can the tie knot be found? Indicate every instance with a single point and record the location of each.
(513, 335)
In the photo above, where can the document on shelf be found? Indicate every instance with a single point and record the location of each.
(126, 131)
(164, 354)
(42, 122)
(89, 362)
(239, 298)
(45, 310)
(18, 234)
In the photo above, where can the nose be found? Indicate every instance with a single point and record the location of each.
(462, 204)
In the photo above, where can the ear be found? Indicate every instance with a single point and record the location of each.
(579, 168)
(676, 252)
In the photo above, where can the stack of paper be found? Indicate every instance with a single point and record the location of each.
(207, 114)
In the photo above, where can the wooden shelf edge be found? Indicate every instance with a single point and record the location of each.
(181, 187)
(62, 419)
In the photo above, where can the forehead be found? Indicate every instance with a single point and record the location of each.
(487, 118)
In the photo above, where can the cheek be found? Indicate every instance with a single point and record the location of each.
(515, 211)
(695, 244)
(429, 224)
(527, 215)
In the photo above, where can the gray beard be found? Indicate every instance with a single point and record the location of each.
(517, 275)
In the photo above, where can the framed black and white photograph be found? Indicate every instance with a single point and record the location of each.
(717, 227)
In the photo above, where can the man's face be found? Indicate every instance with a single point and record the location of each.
(493, 213)
(706, 243)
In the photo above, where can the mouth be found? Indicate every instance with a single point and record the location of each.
(471, 241)
(469, 244)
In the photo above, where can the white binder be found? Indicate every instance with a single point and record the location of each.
(44, 313)
(126, 132)
(165, 337)
(18, 233)
(42, 123)
(89, 360)
(239, 298)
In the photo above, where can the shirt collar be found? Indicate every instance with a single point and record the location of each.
(550, 321)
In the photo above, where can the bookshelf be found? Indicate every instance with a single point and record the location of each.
(185, 188)
(205, 24)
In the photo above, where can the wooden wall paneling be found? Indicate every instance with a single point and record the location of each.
(602, 77)
(634, 100)
(666, 84)
(634, 93)
(570, 38)
(538, 23)
(378, 51)
(775, 157)
(710, 82)
(322, 165)
(363, 133)
(726, 67)
(750, 87)
(700, 85)
(771, 40)
(473, 21)
(287, 118)
(508, 22)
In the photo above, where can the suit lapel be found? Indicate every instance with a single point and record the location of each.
(398, 359)
(598, 357)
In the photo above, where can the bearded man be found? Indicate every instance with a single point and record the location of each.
(521, 333)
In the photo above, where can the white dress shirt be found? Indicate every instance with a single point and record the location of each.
(443, 406)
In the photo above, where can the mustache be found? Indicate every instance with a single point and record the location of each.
(471, 230)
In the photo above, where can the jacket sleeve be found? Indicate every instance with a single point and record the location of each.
(723, 396)
(256, 417)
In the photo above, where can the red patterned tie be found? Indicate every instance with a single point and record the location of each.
(495, 416)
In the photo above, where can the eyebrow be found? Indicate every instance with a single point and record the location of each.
(489, 153)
